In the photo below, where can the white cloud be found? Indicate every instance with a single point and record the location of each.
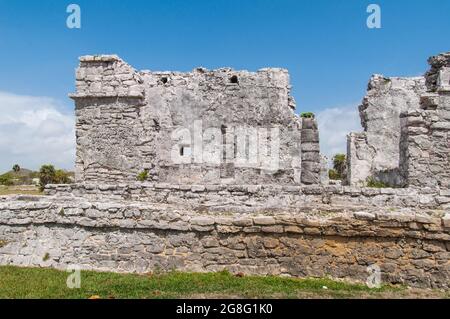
(334, 125)
(35, 131)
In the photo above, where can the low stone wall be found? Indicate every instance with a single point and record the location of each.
(251, 197)
(410, 248)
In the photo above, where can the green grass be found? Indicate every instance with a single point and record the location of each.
(48, 283)
(14, 190)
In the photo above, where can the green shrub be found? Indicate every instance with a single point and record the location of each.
(340, 166)
(333, 175)
(307, 115)
(47, 175)
(61, 177)
(142, 176)
(6, 179)
(373, 183)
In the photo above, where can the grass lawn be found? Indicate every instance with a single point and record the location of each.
(16, 190)
(48, 283)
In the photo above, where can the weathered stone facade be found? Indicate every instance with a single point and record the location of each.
(255, 218)
(426, 131)
(251, 198)
(376, 152)
(406, 124)
(410, 248)
(216, 127)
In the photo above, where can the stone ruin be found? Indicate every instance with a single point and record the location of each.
(212, 170)
(405, 142)
(129, 121)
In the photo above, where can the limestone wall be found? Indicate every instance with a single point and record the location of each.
(239, 198)
(409, 248)
(406, 130)
(376, 152)
(426, 132)
(196, 127)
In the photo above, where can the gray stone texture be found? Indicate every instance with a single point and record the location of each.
(410, 247)
(376, 152)
(406, 124)
(252, 198)
(126, 120)
(426, 132)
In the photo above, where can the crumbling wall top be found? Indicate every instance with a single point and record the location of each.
(110, 76)
(438, 77)
(107, 76)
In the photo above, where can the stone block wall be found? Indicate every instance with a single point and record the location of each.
(130, 122)
(310, 152)
(110, 139)
(249, 198)
(426, 132)
(406, 130)
(409, 248)
(375, 153)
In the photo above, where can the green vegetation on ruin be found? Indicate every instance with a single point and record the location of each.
(307, 115)
(142, 176)
(373, 183)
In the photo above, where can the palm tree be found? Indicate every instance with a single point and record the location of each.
(16, 168)
(340, 164)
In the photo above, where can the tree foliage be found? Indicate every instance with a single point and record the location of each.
(6, 180)
(307, 115)
(61, 177)
(47, 175)
(340, 164)
(333, 175)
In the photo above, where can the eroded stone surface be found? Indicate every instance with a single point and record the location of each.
(406, 130)
(376, 153)
(410, 247)
(129, 121)
(197, 217)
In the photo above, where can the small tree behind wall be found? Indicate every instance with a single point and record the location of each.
(339, 170)
(47, 175)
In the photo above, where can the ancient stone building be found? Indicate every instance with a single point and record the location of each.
(376, 152)
(213, 127)
(398, 151)
(212, 170)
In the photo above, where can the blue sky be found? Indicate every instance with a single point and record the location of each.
(325, 44)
